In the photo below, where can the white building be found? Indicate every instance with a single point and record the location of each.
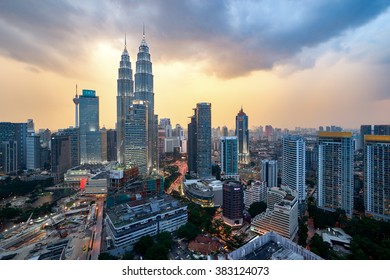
(126, 224)
(256, 192)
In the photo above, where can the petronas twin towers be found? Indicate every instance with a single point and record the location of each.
(136, 122)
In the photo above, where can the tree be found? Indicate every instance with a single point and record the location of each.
(188, 231)
(164, 239)
(319, 247)
(256, 208)
(157, 252)
(107, 256)
(143, 245)
(128, 256)
(303, 230)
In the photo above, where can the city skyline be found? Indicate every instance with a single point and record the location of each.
(231, 54)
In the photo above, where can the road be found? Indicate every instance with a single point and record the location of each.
(182, 170)
(97, 230)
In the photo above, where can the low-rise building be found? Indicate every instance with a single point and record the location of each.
(126, 224)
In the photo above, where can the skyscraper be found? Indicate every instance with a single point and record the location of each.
(33, 155)
(111, 145)
(383, 129)
(125, 95)
(377, 176)
(74, 137)
(144, 91)
(60, 155)
(192, 145)
(90, 140)
(335, 171)
(15, 132)
(364, 130)
(203, 142)
(229, 157)
(242, 134)
(76, 102)
(136, 137)
(233, 203)
(269, 172)
(294, 165)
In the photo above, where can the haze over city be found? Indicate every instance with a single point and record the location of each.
(287, 63)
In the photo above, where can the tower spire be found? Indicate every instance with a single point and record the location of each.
(76, 91)
(143, 31)
(125, 41)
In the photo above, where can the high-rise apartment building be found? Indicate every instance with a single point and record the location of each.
(364, 130)
(229, 157)
(90, 139)
(382, 129)
(335, 171)
(9, 157)
(136, 137)
(242, 134)
(125, 95)
(377, 176)
(269, 172)
(294, 165)
(233, 202)
(144, 91)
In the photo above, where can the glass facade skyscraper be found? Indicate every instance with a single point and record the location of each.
(144, 91)
(90, 139)
(242, 134)
(335, 171)
(136, 138)
(229, 156)
(203, 136)
(377, 176)
(125, 95)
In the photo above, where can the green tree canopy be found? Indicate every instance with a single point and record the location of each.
(256, 208)
(143, 245)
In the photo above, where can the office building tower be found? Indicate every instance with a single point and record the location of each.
(111, 145)
(229, 157)
(335, 171)
(16, 132)
(203, 139)
(30, 126)
(225, 131)
(125, 95)
(165, 122)
(377, 176)
(33, 152)
(144, 91)
(233, 203)
(60, 156)
(269, 172)
(136, 136)
(90, 139)
(294, 165)
(74, 137)
(364, 130)
(103, 135)
(242, 134)
(9, 157)
(192, 145)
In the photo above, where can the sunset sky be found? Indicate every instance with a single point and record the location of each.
(287, 63)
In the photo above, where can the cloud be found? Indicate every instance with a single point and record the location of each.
(232, 38)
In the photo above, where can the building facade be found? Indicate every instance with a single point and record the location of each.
(125, 95)
(229, 157)
(203, 139)
(335, 171)
(242, 133)
(269, 172)
(377, 176)
(136, 136)
(233, 203)
(90, 138)
(294, 165)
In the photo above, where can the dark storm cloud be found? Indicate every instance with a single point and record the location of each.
(232, 37)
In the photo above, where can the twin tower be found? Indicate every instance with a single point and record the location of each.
(136, 122)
